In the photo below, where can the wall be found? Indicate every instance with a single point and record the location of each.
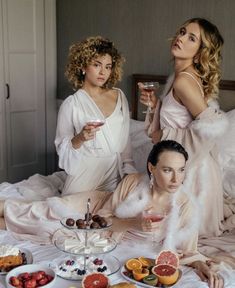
(140, 29)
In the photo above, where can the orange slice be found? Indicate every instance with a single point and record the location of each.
(146, 262)
(139, 274)
(133, 264)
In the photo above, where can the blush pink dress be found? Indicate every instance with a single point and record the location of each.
(204, 177)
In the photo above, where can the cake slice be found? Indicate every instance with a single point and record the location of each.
(10, 257)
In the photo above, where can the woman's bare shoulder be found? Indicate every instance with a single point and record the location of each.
(187, 91)
(183, 82)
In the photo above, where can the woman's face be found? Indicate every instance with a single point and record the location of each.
(169, 171)
(187, 42)
(99, 71)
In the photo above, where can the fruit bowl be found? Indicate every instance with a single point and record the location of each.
(29, 271)
(140, 272)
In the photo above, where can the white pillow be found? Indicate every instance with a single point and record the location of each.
(141, 145)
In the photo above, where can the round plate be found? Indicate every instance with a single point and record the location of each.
(28, 256)
(123, 270)
(112, 263)
(89, 250)
(74, 227)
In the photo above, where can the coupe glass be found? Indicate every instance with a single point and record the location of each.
(151, 215)
(150, 87)
(95, 123)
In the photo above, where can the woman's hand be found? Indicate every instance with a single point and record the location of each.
(87, 134)
(148, 225)
(207, 274)
(147, 98)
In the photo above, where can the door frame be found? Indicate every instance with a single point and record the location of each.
(50, 83)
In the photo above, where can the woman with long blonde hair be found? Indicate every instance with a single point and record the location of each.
(185, 114)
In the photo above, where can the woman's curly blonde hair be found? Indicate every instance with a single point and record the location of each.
(208, 58)
(81, 55)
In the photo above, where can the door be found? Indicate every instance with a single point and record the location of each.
(3, 166)
(24, 54)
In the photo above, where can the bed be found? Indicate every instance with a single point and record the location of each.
(40, 187)
(49, 254)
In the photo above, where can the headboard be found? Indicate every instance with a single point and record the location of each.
(226, 99)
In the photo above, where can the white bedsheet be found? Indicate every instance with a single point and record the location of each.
(40, 187)
(45, 254)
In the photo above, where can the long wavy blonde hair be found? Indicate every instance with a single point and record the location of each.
(208, 58)
(81, 55)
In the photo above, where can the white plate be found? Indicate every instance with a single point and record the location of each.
(112, 263)
(143, 284)
(28, 256)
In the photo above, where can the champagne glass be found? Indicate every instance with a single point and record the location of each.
(150, 87)
(153, 216)
(97, 122)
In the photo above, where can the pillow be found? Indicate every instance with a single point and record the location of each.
(141, 145)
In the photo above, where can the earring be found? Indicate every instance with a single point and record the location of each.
(83, 73)
(151, 181)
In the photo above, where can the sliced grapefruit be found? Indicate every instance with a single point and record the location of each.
(95, 280)
(168, 257)
(133, 264)
(167, 274)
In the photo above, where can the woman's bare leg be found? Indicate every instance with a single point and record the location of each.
(2, 208)
(2, 224)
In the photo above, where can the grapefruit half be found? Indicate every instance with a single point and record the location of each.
(168, 257)
(167, 274)
(95, 280)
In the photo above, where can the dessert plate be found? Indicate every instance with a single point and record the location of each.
(111, 263)
(28, 259)
(127, 275)
(80, 249)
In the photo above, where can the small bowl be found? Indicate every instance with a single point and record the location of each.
(30, 268)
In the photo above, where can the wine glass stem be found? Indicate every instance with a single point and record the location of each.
(149, 104)
(94, 141)
(153, 239)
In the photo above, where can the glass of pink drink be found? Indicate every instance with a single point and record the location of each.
(155, 217)
(95, 123)
(150, 87)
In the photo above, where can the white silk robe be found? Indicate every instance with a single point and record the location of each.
(88, 168)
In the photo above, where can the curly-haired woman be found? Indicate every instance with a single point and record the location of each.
(94, 157)
(184, 114)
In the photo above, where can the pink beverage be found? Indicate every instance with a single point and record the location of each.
(153, 217)
(149, 89)
(96, 123)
